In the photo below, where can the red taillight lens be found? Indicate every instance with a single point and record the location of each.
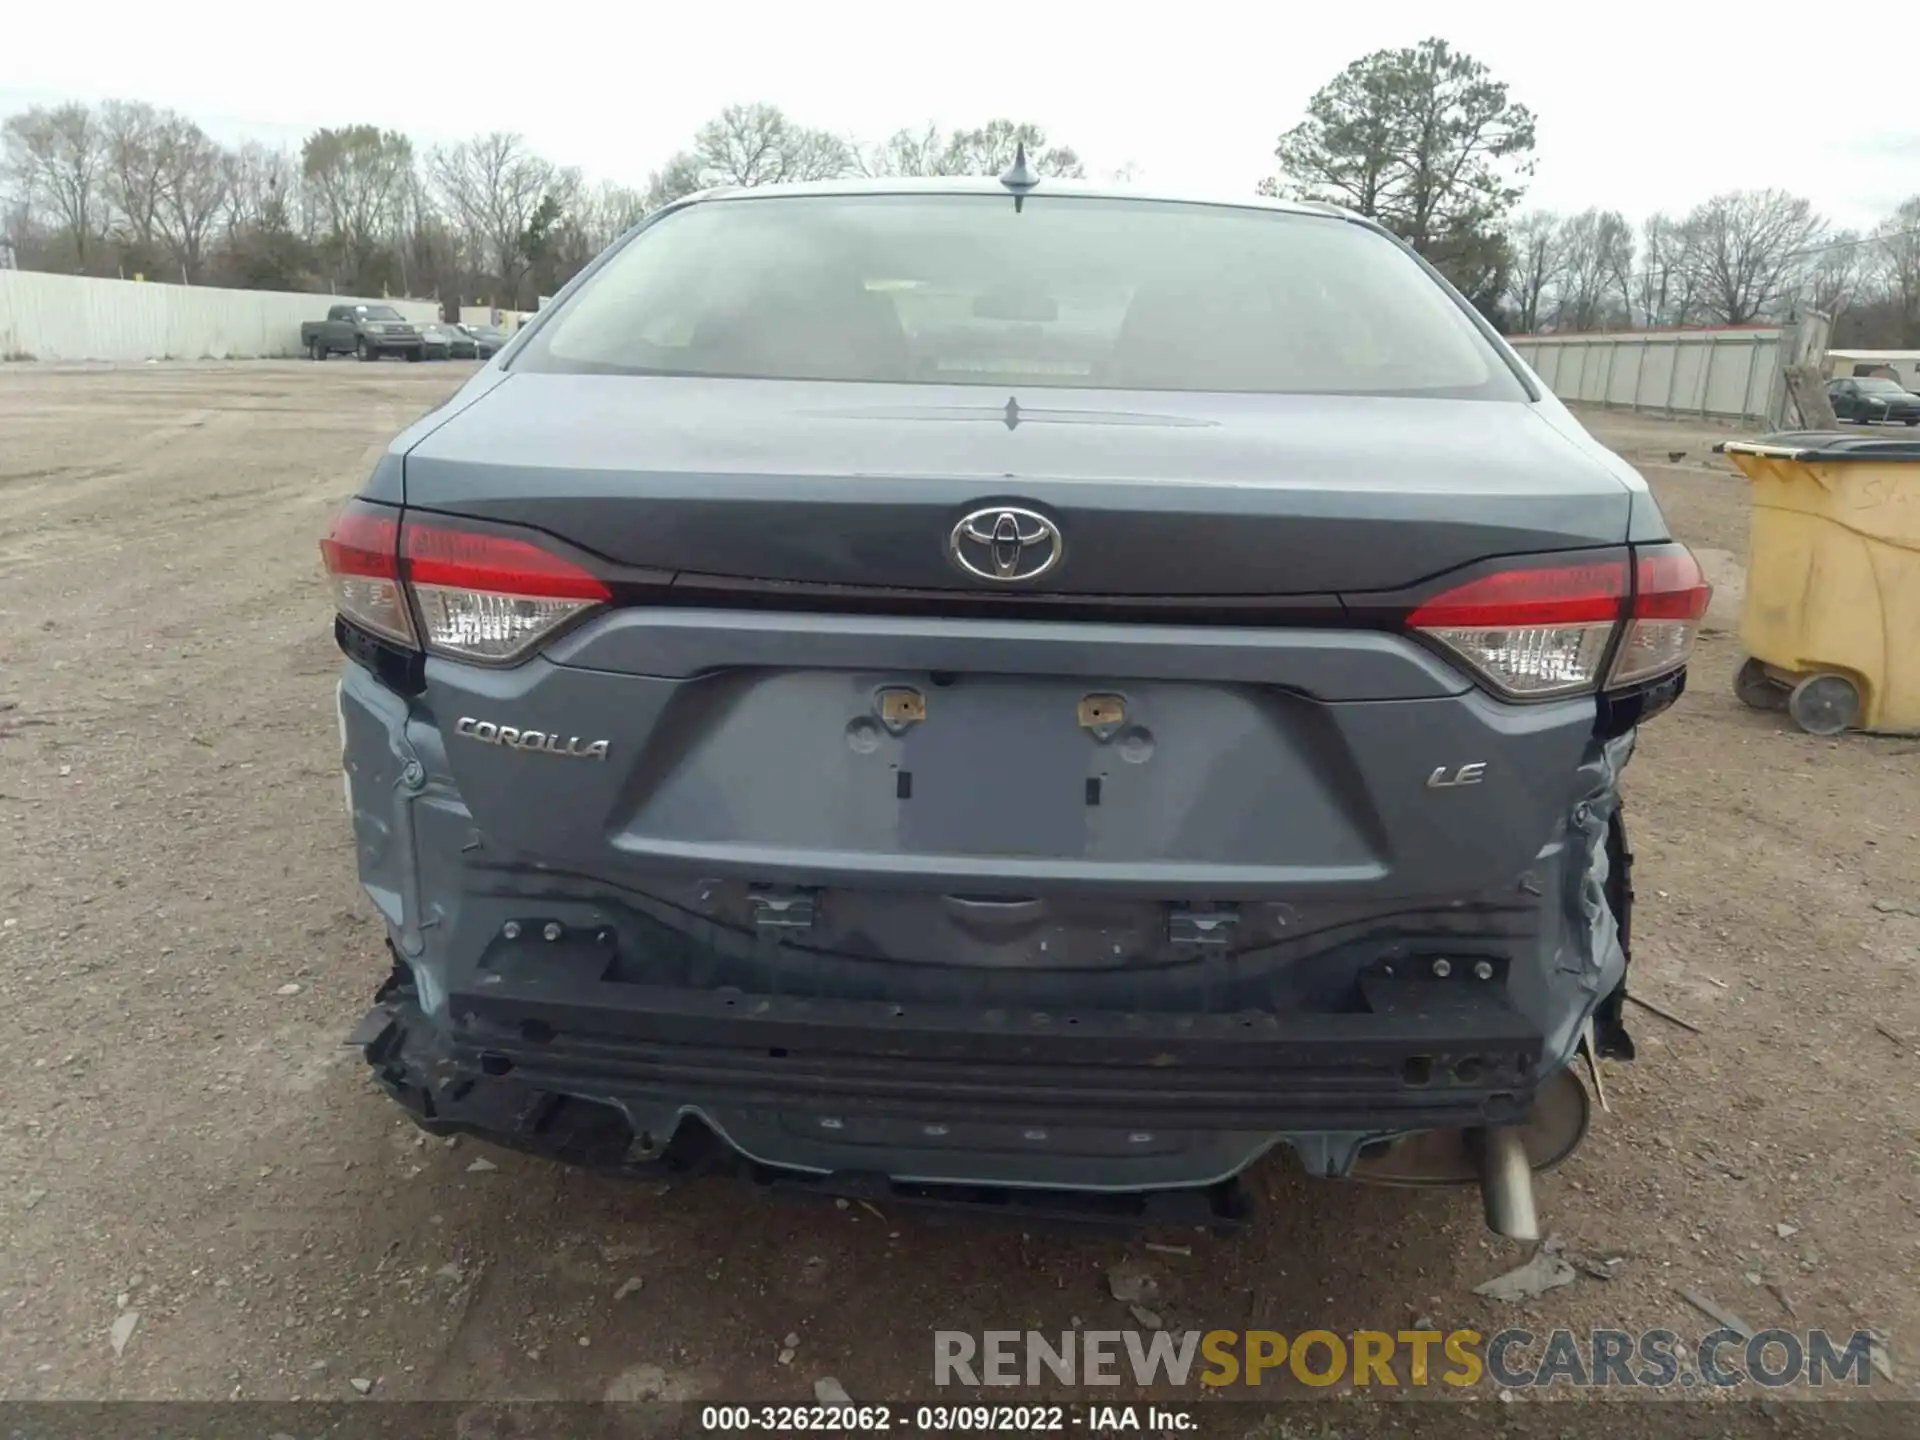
(1547, 595)
(490, 597)
(362, 556)
(1670, 596)
(463, 559)
(479, 595)
(1541, 630)
(1534, 631)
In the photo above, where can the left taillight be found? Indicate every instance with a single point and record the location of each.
(362, 557)
(479, 595)
(490, 597)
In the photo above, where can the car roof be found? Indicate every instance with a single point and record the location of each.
(987, 185)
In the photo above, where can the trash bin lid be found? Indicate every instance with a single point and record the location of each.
(1827, 445)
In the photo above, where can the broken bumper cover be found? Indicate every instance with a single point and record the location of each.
(615, 1075)
(649, 1019)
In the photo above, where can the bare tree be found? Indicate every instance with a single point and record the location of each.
(1597, 258)
(1897, 260)
(131, 131)
(983, 150)
(1834, 277)
(907, 152)
(1661, 279)
(192, 189)
(756, 145)
(358, 176)
(990, 148)
(55, 157)
(1534, 240)
(428, 248)
(255, 177)
(1748, 247)
(678, 178)
(575, 223)
(493, 186)
(759, 145)
(607, 212)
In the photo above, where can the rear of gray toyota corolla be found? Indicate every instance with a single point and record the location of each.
(1028, 697)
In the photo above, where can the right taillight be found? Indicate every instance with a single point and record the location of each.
(479, 595)
(1540, 629)
(1670, 596)
(1533, 631)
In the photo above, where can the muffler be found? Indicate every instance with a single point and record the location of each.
(1499, 1159)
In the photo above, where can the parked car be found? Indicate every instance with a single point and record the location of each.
(1871, 398)
(814, 724)
(447, 342)
(488, 340)
(369, 331)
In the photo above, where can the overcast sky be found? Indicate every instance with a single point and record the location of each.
(1651, 104)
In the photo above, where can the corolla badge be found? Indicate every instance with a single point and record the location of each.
(1006, 544)
(546, 742)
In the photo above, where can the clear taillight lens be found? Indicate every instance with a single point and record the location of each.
(488, 597)
(1540, 630)
(1533, 660)
(362, 557)
(486, 625)
(1532, 633)
(1670, 596)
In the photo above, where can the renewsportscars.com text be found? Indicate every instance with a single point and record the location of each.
(1513, 1359)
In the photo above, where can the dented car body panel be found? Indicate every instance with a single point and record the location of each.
(806, 842)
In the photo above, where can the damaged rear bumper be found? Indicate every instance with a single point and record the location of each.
(538, 1055)
(647, 1027)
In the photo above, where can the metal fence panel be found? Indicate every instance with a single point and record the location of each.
(77, 317)
(1734, 372)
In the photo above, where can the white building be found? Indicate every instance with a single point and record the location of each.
(1904, 364)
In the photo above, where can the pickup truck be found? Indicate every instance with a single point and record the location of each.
(368, 331)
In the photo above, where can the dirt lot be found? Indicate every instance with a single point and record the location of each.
(183, 947)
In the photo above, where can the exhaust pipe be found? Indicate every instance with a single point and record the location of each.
(1500, 1159)
(1506, 1181)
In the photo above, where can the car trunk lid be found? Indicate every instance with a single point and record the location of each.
(1154, 494)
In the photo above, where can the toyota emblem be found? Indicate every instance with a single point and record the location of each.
(1006, 544)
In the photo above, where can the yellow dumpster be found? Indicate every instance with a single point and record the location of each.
(1831, 622)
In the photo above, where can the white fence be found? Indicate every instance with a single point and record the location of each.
(74, 317)
(1736, 373)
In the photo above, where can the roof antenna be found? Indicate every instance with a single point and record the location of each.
(1017, 177)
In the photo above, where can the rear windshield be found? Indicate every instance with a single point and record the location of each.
(1070, 291)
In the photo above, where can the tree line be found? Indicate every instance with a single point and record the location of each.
(1423, 138)
(127, 189)
(1739, 258)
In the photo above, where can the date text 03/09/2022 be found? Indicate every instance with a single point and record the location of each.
(946, 1419)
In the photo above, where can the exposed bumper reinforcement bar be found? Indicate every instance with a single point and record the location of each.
(618, 1078)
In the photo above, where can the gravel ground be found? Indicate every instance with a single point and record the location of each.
(185, 1140)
